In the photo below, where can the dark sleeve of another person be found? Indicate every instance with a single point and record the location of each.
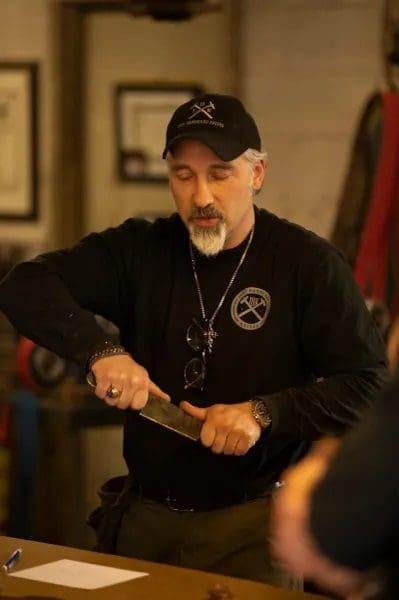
(355, 509)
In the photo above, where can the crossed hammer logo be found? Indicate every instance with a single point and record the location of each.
(202, 107)
(252, 303)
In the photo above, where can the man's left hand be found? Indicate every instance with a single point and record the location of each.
(227, 428)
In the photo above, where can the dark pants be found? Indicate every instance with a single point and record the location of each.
(231, 541)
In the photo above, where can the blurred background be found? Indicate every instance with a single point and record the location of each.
(86, 90)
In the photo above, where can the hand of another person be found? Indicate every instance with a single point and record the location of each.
(393, 346)
(126, 376)
(227, 428)
(293, 543)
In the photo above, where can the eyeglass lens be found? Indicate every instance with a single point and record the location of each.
(195, 336)
(195, 369)
(194, 374)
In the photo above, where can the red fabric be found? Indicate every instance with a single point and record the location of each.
(395, 262)
(371, 262)
(5, 424)
(24, 353)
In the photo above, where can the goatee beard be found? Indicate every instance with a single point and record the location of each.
(208, 240)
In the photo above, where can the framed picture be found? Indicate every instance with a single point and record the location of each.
(142, 115)
(18, 141)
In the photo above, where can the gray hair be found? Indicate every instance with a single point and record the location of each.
(253, 157)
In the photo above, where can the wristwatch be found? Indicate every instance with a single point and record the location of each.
(261, 413)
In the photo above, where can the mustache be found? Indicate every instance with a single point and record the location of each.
(207, 212)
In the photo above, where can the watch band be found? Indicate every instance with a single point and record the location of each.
(261, 413)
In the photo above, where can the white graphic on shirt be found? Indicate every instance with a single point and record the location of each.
(250, 308)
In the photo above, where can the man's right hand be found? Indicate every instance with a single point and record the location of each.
(128, 377)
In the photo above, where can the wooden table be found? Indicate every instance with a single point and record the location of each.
(163, 583)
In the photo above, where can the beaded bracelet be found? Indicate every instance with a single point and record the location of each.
(115, 350)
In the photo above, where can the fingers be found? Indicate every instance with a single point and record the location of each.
(393, 346)
(243, 445)
(219, 440)
(132, 395)
(392, 354)
(122, 374)
(102, 387)
(228, 429)
(222, 441)
(326, 447)
(154, 389)
(194, 411)
(111, 395)
(234, 444)
(208, 434)
(127, 382)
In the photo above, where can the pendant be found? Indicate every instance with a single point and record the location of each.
(210, 335)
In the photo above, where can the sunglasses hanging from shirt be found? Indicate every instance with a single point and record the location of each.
(201, 337)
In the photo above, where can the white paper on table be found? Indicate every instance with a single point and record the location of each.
(77, 574)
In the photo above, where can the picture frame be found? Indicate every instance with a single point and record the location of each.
(142, 114)
(18, 141)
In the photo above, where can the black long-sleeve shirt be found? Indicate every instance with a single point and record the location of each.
(293, 329)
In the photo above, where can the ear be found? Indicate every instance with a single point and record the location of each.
(259, 173)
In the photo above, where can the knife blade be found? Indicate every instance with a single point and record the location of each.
(172, 417)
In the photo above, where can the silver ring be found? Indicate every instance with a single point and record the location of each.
(113, 392)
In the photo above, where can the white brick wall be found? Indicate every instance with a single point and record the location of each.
(307, 68)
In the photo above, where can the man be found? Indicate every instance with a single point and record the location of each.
(336, 520)
(252, 324)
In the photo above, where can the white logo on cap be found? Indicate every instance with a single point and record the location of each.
(206, 108)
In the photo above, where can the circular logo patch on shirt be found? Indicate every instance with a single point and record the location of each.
(250, 308)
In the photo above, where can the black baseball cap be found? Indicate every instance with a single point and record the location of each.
(219, 121)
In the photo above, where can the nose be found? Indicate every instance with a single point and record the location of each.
(202, 195)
